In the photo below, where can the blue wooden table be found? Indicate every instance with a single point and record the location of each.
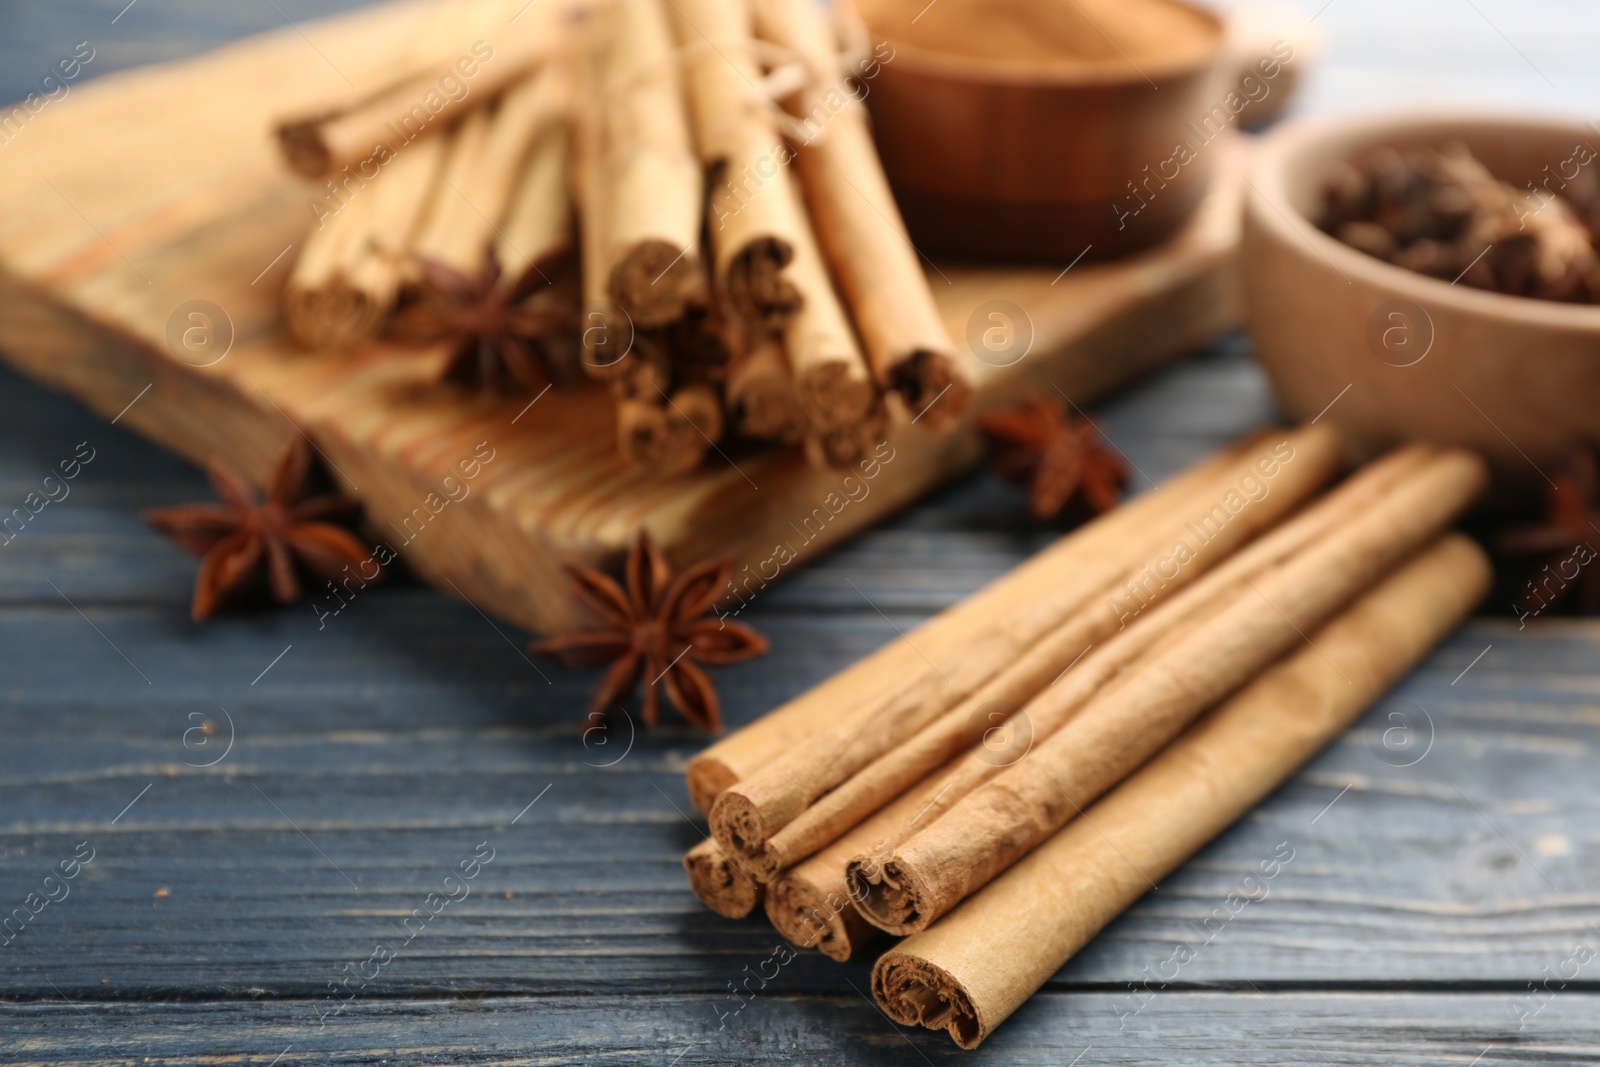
(197, 894)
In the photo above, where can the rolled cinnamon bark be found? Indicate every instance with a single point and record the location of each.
(814, 912)
(698, 344)
(337, 296)
(846, 446)
(761, 390)
(724, 888)
(647, 373)
(643, 437)
(697, 409)
(421, 103)
(971, 970)
(751, 218)
(437, 237)
(608, 334)
(650, 185)
(810, 903)
(348, 275)
(996, 824)
(318, 146)
(860, 229)
(670, 435)
(804, 895)
(1033, 697)
(937, 672)
(537, 232)
(741, 754)
(832, 382)
(483, 172)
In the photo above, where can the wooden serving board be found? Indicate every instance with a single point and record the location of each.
(145, 191)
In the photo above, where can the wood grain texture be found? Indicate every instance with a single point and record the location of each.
(96, 549)
(201, 209)
(401, 737)
(1265, 1026)
(384, 747)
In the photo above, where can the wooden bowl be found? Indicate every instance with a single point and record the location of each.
(1399, 355)
(1019, 158)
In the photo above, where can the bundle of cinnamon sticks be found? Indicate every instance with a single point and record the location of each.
(999, 784)
(740, 264)
(462, 156)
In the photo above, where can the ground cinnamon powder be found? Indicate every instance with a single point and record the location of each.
(1118, 33)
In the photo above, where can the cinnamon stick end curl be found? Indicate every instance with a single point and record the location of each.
(718, 883)
(914, 992)
(655, 282)
(935, 387)
(811, 918)
(888, 895)
(303, 150)
(707, 778)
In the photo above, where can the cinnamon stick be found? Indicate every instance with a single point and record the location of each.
(846, 446)
(643, 437)
(761, 390)
(993, 826)
(348, 275)
(646, 373)
(438, 238)
(699, 344)
(1033, 697)
(809, 903)
(791, 726)
(367, 127)
(671, 435)
(608, 335)
(972, 969)
(860, 229)
(802, 901)
(537, 232)
(724, 888)
(832, 381)
(697, 408)
(935, 675)
(751, 217)
(650, 186)
(482, 173)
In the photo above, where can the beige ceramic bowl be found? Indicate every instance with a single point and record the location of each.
(1389, 355)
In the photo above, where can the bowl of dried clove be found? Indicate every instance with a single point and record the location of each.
(1431, 277)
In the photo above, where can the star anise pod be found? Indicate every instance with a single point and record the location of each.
(656, 630)
(494, 330)
(1060, 458)
(247, 539)
(1561, 550)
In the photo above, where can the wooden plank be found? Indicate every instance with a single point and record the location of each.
(94, 271)
(1266, 1026)
(96, 549)
(377, 753)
